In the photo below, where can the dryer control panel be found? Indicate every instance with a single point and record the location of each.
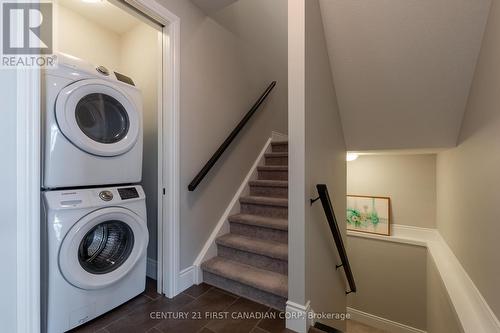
(127, 193)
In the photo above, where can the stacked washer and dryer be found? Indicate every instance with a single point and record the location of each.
(94, 231)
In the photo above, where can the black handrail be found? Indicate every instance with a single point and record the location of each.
(334, 228)
(215, 157)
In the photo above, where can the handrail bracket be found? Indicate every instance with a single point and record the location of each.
(314, 200)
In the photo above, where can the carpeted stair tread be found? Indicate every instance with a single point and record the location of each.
(271, 282)
(264, 201)
(269, 183)
(276, 154)
(279, 143)
(260, 221)
(262, 247)
(272, 168)
(279, 146)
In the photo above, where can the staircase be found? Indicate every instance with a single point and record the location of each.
(252, 259)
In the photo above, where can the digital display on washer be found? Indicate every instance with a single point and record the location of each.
(128, 193)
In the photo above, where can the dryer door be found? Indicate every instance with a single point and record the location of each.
(98, 118)
(103, 247)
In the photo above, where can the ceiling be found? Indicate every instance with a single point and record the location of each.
(103, 13)
(403, 68)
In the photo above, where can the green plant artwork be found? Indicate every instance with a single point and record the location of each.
(368, 214)
(359, 218)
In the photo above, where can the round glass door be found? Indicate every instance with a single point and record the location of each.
(102, 247)
(102, 118)
(98, 118)
(106, 247)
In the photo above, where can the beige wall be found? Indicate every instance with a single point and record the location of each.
(324, 164)
(441, 316)
(468, 176)
(409, 180)
(139, 58)
(391, 277)
(82, 38)
(262, 46)
(215, 94)
(391, 280)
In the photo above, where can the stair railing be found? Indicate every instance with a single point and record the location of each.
(337, 236)
(215, 157)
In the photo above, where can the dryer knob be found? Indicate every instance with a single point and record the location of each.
(103, 70)
(106, 195)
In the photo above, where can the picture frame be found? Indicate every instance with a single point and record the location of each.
(369, 214)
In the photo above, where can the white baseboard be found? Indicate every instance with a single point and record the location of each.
(186, 279)
(151, 268)
(298, 317)
(209, 250)
(381, 323)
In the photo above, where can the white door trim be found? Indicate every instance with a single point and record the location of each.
(168, 268)
(28, 200)
(28, 177)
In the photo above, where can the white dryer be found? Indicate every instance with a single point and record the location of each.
(93, 132)
(94, 253)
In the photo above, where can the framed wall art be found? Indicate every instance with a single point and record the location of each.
(369, 214)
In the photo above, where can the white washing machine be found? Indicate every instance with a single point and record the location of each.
(93, 133)
(94, 253)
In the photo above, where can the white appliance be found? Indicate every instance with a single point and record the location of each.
(95, 243)
(93, 131)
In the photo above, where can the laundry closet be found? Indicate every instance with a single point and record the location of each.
(100, 161)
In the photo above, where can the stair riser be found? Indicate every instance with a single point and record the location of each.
(269, 191)
(273, 175)
(274, 160)
(281, 148)
(243, 290)
(253, 231)
(263, 210)
(252, 259)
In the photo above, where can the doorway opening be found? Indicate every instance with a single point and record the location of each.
(166, 28)
(125, 40)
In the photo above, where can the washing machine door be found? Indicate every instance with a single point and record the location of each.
(98, 118)
(102, 247)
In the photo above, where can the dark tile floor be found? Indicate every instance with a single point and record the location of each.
(202, 309)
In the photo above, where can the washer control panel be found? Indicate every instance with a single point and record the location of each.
(92, 197)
